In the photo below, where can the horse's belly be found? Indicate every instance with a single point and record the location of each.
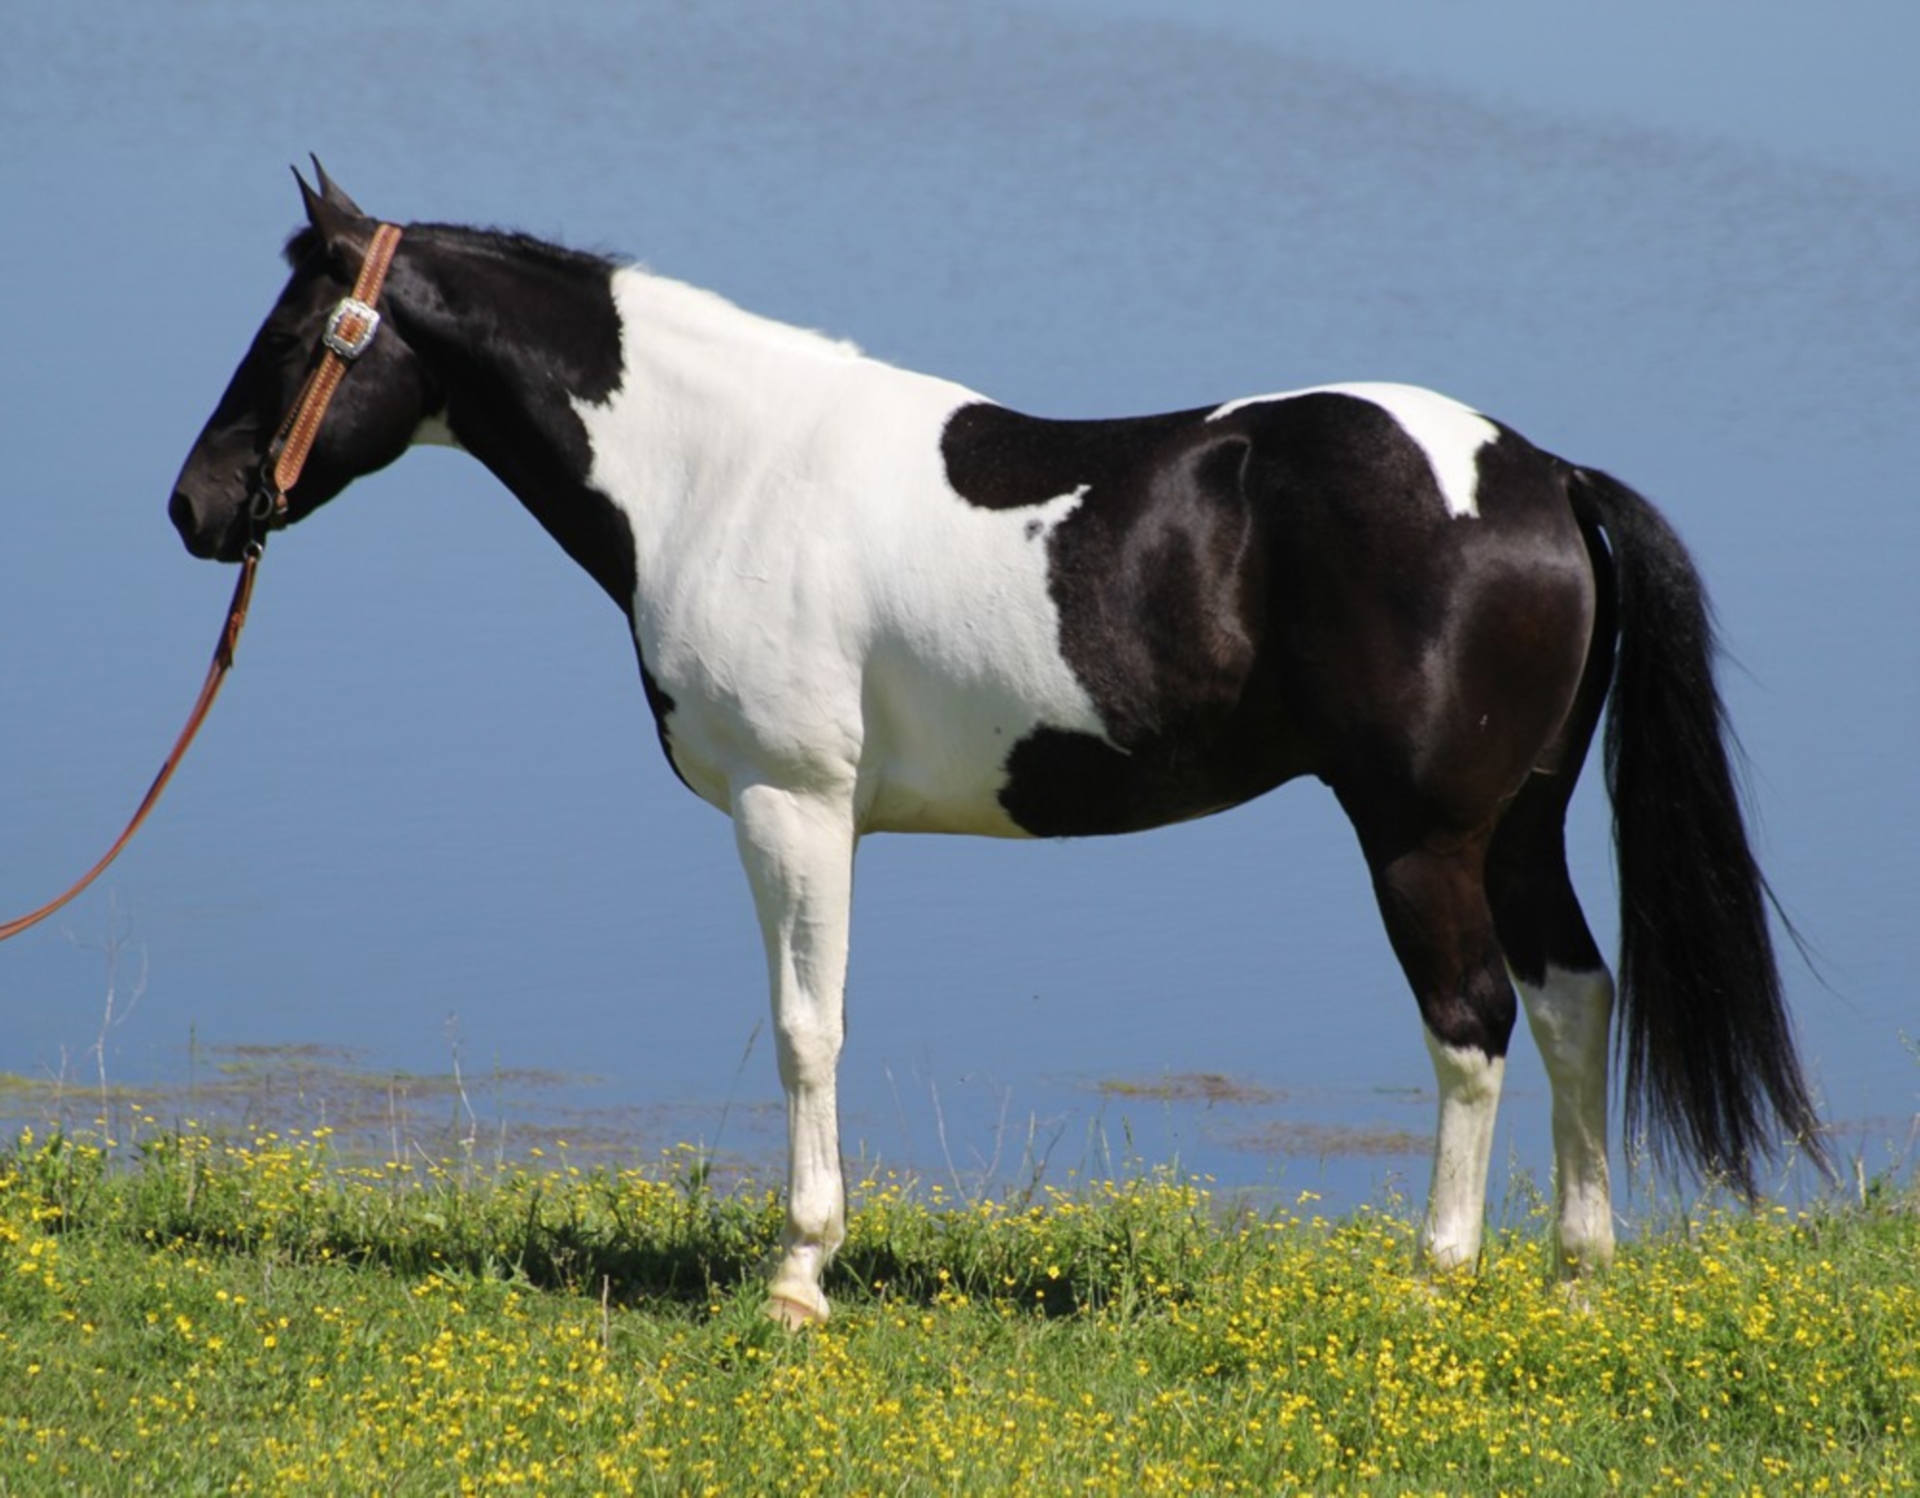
(936, 751)
(900, 806)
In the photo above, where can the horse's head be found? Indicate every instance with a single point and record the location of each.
(225, 495)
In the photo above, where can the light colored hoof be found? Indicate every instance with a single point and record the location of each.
(1578, 1301)
(794, 1315)
(1585, 1261)
(1576, 1275)
(1448, 1260)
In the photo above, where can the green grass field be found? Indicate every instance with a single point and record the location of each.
(263, 1314)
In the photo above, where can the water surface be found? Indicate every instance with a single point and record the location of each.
(430, 819)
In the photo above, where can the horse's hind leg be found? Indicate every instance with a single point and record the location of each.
(1435, 908)
(1568, 994)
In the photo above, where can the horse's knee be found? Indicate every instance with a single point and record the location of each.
(1434, 906)
(808, 1034)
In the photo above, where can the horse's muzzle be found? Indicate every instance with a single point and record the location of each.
(210, 531)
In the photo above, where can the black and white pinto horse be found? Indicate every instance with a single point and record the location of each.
(867, 600)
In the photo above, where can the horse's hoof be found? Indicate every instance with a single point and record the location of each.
(793, 1315)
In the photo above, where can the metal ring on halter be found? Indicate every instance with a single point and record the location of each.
(266, 505)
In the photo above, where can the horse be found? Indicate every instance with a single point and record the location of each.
(870, 600)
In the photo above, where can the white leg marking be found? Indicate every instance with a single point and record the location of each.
(798, 852)
(1462, 1148)
(1569, 1014)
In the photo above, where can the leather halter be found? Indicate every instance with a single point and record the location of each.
(349, 330)
(347, 335)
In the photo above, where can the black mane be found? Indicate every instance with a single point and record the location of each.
(505, 243)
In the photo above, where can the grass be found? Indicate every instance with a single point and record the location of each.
(262, 1313)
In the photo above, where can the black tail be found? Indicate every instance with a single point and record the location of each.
(1710, 1062)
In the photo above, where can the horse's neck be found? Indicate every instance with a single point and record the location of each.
(519, 376)
(690, 408)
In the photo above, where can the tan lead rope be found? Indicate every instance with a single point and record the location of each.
(216, 674)
(350, 328)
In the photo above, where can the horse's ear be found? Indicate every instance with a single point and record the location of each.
(330, 191)
(342, 227)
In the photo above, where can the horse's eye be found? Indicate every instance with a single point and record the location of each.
(280, 343)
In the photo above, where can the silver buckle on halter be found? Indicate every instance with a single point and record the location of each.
(350, 328)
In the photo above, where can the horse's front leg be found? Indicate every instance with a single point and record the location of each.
(798, 852)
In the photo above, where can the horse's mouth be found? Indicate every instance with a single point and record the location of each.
(210, 541)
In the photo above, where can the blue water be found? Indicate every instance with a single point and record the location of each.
(429, 820)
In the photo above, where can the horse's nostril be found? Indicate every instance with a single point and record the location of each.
(185, 516)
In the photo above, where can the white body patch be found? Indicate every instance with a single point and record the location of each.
(1450, 434)
(433, 431)
(820, 605)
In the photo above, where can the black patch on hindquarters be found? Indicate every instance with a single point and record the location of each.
(1238, 596)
